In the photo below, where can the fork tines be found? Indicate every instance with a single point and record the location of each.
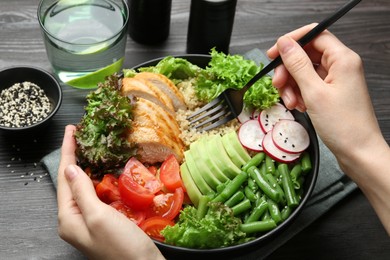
(212, 115)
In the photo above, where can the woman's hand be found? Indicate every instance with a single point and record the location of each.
(327, 80)
(93, 227)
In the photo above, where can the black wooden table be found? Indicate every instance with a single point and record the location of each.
(28, 209)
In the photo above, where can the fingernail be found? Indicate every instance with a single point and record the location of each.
(285, 44)
(71, 172)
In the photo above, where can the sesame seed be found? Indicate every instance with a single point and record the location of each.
(23, 104)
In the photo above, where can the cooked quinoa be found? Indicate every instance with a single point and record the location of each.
(188, 134)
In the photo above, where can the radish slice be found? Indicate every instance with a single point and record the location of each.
(245, 115)
(256, 114)
(274, 152)
(251, 135)
(290, 136)
(270, 116)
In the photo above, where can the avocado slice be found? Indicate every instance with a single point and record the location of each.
(203, 169)
(233, 154)
(204, 188)
(236, 144)
(221, 158)
(202, 150)
(192, 190)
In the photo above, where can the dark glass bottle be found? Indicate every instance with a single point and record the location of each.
(149, 20)
(210, 25)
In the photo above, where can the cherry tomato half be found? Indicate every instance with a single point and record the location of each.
(167, 205)
(170, 173)
(137, 186)
(107, 190)
(153, 226)
(136, 216)
(153, 169)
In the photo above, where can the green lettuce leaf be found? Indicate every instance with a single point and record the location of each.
(234, 71)
(176, 69)
(262, 94)
(224, 71)
(218, 228)
(101, 133)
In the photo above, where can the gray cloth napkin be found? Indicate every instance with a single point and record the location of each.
(331, 187)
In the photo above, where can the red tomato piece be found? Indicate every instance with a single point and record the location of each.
(137, 186)
(153, 169)
(170, 173)
(134, 215)
(153, 226)
(107, 190)
(167, 205)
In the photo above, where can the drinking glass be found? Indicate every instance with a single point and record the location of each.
(83, 36)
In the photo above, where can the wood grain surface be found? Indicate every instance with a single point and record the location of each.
(28, 209)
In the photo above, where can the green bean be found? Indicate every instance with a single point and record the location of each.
(270, 165)
(272, 181)
(278, 177)
(306, 163)
(259, 195)
(266, 215)
(258, 226)
(235, 198)
(261, 181)
(263, 168)
(231, 188)
(274, 211)
(295, 174)
(241, 207)
(220, 187)
(296, 171)
(252, 185)
(202, 206)
(298, 184)
(260, 199)
(286, 212)
(257, 212)
(245, 216)
(289, 192)
(254, 161)
(250, 194)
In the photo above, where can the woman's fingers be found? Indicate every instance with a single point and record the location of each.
(82, 189)
(299, 65)
(64, 194)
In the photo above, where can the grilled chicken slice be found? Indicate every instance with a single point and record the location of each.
(142, 88)
(153, 145)
(165, 85)
(149, 114)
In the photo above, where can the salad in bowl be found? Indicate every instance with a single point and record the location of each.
(193, 192)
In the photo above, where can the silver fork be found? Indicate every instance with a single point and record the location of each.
(228, 105)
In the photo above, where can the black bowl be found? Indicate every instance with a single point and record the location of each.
(47, 82)
(176, 252)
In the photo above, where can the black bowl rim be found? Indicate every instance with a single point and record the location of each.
(54, 110)
(280, 228)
